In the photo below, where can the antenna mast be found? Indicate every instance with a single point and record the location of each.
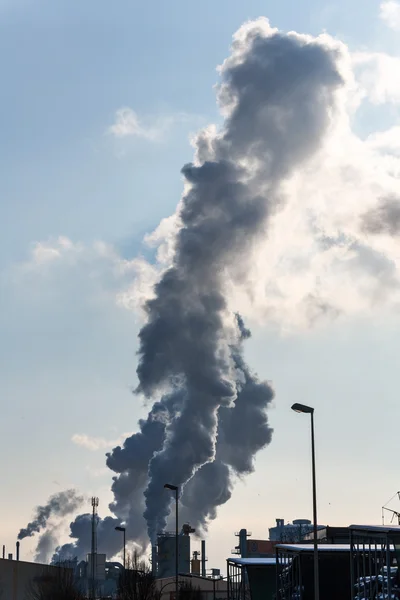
(95, 504)
(390, 510)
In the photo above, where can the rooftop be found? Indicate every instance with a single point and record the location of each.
(376, 528)
(253, 561)
(310, 547)
(323, 548)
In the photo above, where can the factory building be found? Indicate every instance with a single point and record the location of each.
(211, 588)
(291, 533)
(253, 548)
(18, 577)
(163, 556)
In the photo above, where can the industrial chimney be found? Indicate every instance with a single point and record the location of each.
(203, 558)
(17, 551)
(154, 560)
(10, 557)
(4, 551)
(195, 564)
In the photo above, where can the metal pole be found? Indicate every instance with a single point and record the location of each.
(316, 570)
(124, 548)
(176, 546)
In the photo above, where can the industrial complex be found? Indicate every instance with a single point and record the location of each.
(357, 562)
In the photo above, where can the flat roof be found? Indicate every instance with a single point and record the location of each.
(324, 547)
(376, 528)
(310, 547)
(253, 561)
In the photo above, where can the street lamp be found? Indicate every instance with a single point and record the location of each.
(124, 532)
(302, 408)
(174, 488)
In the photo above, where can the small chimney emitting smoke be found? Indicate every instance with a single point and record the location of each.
(17, 551)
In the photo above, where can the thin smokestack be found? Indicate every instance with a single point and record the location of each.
(4, 551)
(17, 551)
(203, 558)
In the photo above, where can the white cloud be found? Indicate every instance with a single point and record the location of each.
(128, 124)
(390, 14)
(329, 266)
(98, 443)
(379, 76)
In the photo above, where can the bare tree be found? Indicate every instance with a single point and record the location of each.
(137, 582)
(54, 585)
(187, 591)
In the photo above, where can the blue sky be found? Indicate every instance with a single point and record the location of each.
(67, 348)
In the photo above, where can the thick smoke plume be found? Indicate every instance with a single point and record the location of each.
(279, 95)
(58, 505)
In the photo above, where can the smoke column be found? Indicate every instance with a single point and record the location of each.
(276, 94)
(279, 95)
(45, 546)
(58, 505)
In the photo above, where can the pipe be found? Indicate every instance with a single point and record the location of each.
(203, 558)
(17, 552)
(154, 560)
(4, 552)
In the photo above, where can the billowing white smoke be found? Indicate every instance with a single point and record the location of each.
(286, 216)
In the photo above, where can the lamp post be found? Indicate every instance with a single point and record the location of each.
(302, 408)
(124, 532)
(174, 488)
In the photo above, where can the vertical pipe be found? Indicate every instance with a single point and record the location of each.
(92, 569)
(352, 561)
(388, 565)
(17, 550)
(203, 558)
(154, 560)
(176, 546)
(316, 573)
(4, 551)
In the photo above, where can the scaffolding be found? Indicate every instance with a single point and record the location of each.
(251, 578)
(375, 554)
(295, 571)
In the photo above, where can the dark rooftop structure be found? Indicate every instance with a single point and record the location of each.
(330, 535)
(295, 571)
(375, 556)
(251, 576)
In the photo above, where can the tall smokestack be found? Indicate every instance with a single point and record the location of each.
(154, 560)
(203, 558)
(17, 551)
(4, 551)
